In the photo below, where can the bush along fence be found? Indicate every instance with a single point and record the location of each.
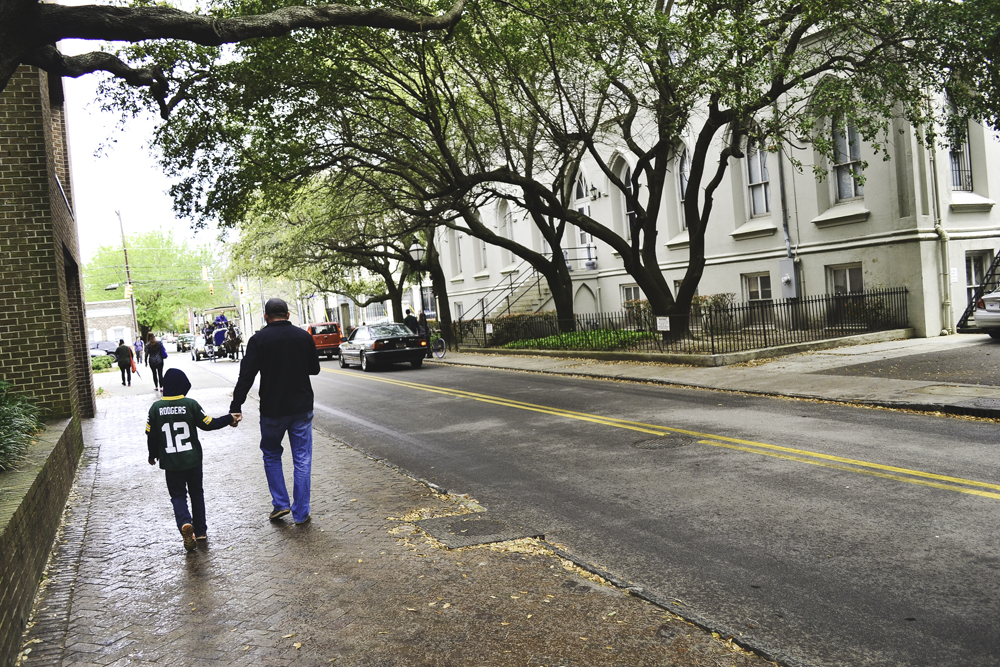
(715, 325)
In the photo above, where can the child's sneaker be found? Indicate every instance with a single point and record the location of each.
(187, 530)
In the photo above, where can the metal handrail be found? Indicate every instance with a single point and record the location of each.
(991, 282)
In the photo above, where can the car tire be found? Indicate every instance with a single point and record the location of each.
(366, 365)
(995, 335)
(343, 362)
(417, 363)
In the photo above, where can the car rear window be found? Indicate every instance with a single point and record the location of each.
(390, 330)
(325, 329)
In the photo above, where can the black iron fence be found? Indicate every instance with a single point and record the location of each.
(705, 330)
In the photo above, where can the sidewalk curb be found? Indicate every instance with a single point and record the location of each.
(673, 606)
(743, 641)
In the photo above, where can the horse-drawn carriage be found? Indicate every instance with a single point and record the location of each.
(223, 338)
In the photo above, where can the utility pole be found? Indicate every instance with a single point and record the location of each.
(128, 276)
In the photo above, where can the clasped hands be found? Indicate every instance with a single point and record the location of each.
(237, 418)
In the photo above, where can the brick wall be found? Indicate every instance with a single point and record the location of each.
(30, 510)
(43, 337)
(43, 340)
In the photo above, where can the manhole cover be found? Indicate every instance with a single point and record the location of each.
(660, 443)
(468, 529)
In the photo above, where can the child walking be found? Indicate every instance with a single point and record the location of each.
(172, 438)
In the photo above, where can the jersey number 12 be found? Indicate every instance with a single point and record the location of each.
(180, 439)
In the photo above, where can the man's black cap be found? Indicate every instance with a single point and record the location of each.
(275, 306)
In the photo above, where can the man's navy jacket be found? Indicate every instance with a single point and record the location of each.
(285, 356)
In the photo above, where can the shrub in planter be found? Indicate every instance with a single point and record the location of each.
(101, 364)
(19, 422)
(520, 326)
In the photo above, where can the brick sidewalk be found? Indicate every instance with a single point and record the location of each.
(354, 587)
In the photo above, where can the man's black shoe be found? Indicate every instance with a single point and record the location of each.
(277, 514)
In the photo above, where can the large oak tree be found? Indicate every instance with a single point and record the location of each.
(508, 107)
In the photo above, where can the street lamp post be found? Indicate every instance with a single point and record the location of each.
(417, 253)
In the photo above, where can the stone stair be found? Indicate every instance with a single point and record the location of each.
(530, 297)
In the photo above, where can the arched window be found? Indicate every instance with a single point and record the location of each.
(627, 203)
(684, 173)
(758, 179)
(506, 222)
(847, 160)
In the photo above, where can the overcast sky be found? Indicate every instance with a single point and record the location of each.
(125, 178)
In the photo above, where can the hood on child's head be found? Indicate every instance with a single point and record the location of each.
(175, 383)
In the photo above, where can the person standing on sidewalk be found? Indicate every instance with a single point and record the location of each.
(410, 321)
(138, 350)
(124, 357)
(172, 439)
(155, 354)
(285, 356)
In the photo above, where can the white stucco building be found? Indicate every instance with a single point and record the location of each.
(841, 235)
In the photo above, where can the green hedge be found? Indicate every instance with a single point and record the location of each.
(101, 364)
(19, 422)
(601, 340)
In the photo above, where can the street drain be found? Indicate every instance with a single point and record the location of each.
(661, 443)
(468, 529)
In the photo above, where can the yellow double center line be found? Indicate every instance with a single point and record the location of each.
(918, 477)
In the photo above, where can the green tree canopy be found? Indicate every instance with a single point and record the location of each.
(167, 278)
(510, 105)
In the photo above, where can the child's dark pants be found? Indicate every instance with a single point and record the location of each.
(181, 484)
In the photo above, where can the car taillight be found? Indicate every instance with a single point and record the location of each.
(423, 343)
(981, 305)
(378, 345)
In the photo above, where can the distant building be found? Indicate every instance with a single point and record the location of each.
(109, 320)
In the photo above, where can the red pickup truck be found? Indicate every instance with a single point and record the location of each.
(327, 337)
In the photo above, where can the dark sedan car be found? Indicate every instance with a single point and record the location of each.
(380, 344)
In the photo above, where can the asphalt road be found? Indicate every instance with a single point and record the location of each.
(839, 536)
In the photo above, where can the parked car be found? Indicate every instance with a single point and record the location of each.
(103, 347)
(380, 344)
(327, 336)
(988, 314)
(185, 342)
(199, 350)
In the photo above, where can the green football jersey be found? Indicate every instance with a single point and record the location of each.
(172, 431)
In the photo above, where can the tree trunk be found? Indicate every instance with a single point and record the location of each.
(561, 285)
(439, 286)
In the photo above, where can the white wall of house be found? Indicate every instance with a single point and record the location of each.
(885, 237)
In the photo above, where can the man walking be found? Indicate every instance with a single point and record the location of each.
(410, 321)
(285, 356)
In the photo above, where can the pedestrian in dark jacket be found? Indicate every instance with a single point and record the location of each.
(410, 321)
(424, 331)
(155, 354)
(172, 439)
(123, 355)
(285, 356)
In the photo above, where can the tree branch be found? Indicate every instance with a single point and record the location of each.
(135, 24)
(51, 23)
